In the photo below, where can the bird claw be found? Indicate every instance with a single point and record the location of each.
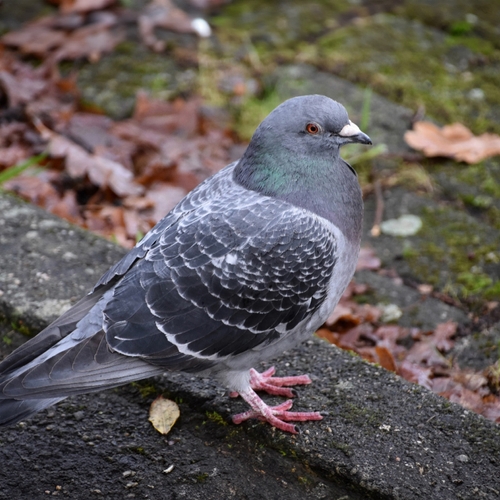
(277, 416)
(275, 386)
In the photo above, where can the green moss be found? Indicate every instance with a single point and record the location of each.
(362, 415)
(137, 449)
(343, 447)
(402, 57)
(201, 478)
(454, 252)
(6, 340)
(146, 388)
(19, 326)
(111, 85)
(252, 111)
(215, 417)
(304, 480)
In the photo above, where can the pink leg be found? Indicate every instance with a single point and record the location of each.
(275, 415)
(274, 385)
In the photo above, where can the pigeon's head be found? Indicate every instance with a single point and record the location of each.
(294, 155)
(298, 146)
(311, 124)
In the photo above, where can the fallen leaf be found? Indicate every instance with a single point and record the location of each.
(37, 189)
(415, 373)
(452, 141)
(164, 14)
(343, 312)
(82, 6)
(20, 90)
(492, 411)
(37, 38)
(103, 172)
(442, 335)
(425, 353)
(385, 358)
(164, 197)
(13, 154)
(88, 42)
(163, 414)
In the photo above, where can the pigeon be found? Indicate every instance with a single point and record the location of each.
(248, 265)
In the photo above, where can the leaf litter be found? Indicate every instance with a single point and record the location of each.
(422, 357)
(163, 413)
(118, 178)
(452, 141)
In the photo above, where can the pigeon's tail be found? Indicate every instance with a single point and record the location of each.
(71, 366)
(13, 410)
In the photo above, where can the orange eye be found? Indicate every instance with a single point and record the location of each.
(312, 128)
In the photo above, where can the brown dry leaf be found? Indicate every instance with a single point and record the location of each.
(466, 398)
(163, 414)
(442, 335)
(162, 14)
(13, 154)
(328, 335)
(343, 312)
(68, 208)
(103, 172)
(357, 338)
(37, 38)
(425, 353)
(492, 411)
(19, 89)
(88, 42)
(37, 189)
(415, 373)
(368, 259)
(385, 358)
(389, 335)
(453, 141)
(82, 6)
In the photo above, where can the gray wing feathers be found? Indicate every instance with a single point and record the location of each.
(48, 337)
(227, 277)
(86, 367)
(13, 410)
(223, 273)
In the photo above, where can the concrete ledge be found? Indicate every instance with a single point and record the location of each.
(382, 438)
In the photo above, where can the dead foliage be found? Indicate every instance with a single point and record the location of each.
(418, 356)
(452, 141)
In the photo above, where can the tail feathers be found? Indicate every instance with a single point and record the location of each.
(48, 337)
(13, 411)
(88, 366)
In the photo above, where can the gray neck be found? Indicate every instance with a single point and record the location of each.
(330, 189)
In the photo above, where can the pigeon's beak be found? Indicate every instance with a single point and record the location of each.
(352, 133)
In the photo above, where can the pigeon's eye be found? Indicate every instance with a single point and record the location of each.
(313, 128)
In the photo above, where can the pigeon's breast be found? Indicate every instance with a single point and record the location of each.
(346, 259)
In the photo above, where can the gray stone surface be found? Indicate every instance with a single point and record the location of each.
(381, 437)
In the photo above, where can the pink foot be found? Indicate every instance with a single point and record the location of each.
(274, 385)
(277, 416)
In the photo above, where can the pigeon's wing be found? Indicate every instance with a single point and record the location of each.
(65, 324)
(221, 281)
(200, 196)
